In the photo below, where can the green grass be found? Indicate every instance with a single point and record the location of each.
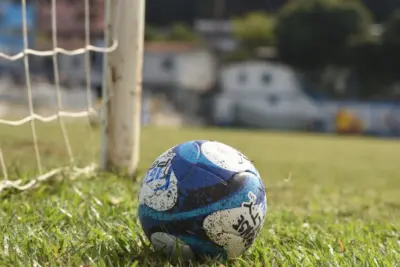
(332, 201)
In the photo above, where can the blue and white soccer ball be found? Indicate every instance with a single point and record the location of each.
(202, 198)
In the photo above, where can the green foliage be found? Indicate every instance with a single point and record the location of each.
(367, 60)
(357, 20)
(237, 56)
(178, 33)
(254, 30)
(382, 9)
(314, 33)
(181, 32)
(151, 34)
(391, 35)
(378, 64)
(339, 205)
(391, 44)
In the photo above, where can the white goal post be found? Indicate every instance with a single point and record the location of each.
(121, 107)
(122, 127)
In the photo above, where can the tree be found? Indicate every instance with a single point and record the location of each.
(392, 29)
(254, 30)
(178, 32)
(382, 9)
(151, 34)
(181, 32)
(314, 33)
(391, 44)
(391, 34)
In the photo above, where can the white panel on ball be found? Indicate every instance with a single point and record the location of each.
(225, 156)
(160, 200)
(170, 245)
(236, 229)
(160, 175)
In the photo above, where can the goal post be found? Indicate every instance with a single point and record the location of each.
(47, 148)
(122, 107)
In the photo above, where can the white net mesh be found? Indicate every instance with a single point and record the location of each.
(30, 144)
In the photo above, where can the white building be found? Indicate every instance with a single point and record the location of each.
(217, 33)
(183, 65)
(263, 94)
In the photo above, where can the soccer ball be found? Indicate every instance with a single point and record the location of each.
(202, 198)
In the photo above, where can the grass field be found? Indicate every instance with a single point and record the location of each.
(333, 201)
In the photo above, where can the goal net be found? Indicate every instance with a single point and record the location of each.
(50, 90)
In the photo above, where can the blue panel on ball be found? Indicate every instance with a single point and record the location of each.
(190, 163)
(253, 184)
(199, 178)
(191, 152)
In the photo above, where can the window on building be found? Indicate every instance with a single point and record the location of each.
(242, 78)
(168, 64)
(266, 78)
(273, 99)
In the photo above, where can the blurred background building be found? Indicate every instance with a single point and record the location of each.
(277, 64)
